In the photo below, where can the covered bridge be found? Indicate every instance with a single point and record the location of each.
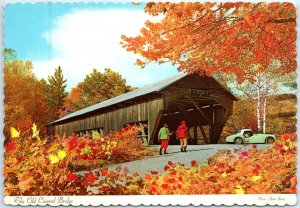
(199, 100)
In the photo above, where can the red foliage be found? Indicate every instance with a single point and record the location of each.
(71, 177)
(194, 163)
(10, 146)
(90, 177)
(104, 171)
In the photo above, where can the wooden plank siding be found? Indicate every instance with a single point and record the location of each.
(115, 119)
(200, 101)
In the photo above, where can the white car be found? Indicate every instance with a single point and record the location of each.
(247, 136)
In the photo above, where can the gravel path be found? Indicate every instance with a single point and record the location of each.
(200, 153)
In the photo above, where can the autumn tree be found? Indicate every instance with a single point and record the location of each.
(24, 101)
(214, 37)
(56, 92)
(96, 87)
(259, 88)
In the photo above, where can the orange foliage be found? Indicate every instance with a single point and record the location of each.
(32, 164)
(209, 37)
(24, 100)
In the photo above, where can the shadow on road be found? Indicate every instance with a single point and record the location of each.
(192, 150)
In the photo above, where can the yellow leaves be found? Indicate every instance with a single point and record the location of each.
(61, 154)
(55, 158)
(239, 190)
(35, 131)
(286, 148)
(114, 144)
(224, 175)
(14, 133)
(256, 178)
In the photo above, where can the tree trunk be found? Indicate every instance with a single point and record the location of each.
(264, 114)
(258, 104)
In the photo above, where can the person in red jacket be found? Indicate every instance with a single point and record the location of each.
(181, 133)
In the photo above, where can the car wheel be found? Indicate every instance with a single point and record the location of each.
(270, 140)
(238, 140)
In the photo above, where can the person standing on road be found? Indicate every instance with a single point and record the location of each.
(181, 134)
(164, 136)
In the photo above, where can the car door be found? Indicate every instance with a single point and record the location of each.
(248, 137)
(257, 138)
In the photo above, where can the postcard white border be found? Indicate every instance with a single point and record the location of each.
(164, 200)
(136, 200)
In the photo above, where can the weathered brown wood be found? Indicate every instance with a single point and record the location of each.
(203, 132)
(195, 134)
(203, 113)
(155, 127)
(191, 92)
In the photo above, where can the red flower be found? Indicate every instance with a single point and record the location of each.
(154, 172)
(180, 178)
(179, 186)
(166, 168)
(254, 146)
(104, 171)
(90, 177)
(165, 186)
(71, 176)
(10, 146)
(171, 180)
(194, 163)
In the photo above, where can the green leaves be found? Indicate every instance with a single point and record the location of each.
(95, 134)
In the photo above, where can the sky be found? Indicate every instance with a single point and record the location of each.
(79, 37)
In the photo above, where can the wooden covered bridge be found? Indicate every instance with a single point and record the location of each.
(199, 100)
